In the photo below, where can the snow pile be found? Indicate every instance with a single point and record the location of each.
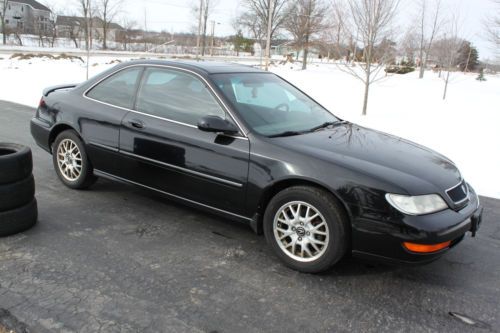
(465, 127)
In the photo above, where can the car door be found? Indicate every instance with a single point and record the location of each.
(165, 150)
(102, 110)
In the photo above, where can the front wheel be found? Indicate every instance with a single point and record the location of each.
(71, 162)
(307, 228)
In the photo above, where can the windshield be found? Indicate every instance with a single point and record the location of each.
(270, 105)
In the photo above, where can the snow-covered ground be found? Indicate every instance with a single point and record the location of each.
(465, 127)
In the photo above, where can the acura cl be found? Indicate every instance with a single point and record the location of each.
(248, 145)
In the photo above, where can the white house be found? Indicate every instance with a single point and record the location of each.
(27, 17)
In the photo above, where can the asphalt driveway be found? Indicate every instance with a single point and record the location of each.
(119, 259)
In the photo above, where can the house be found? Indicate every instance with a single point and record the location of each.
(27, 17)
(74, 27)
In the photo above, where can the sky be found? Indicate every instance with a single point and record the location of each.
(177, 16)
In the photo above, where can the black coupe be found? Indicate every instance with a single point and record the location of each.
(250, 146)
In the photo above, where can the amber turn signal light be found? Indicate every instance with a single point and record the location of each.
(425, 248)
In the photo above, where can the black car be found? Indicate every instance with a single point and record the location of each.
(248, 145)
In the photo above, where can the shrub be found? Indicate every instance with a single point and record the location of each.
(399, 69)
(29, 56)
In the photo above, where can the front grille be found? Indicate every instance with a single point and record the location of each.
(458, 193)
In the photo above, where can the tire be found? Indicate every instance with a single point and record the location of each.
(19, 219)
(320, 242)
(83, 166)
(16, 162)
(15, 195)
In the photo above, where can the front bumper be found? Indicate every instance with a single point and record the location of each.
(383, 239)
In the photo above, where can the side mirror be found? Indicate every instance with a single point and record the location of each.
(216, 124)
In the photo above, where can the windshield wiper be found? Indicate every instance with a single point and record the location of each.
(326, 124)
(292, 133)
(286, 133)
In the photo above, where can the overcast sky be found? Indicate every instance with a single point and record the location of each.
(177, 15)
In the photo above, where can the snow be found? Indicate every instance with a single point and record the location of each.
(465, 127)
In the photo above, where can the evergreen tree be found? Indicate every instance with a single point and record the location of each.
(481, 77)
(468, 58)
(242, 44)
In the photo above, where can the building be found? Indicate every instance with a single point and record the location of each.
(27, 17)
(74, 27)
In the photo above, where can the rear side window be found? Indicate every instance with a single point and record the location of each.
(118, 89)
(176, 95)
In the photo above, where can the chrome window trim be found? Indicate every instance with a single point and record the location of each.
(108, 175)
(193, 172)
(225, 107)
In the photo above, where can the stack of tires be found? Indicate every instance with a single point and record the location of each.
(18, 207)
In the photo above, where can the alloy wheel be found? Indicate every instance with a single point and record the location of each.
(301, 231)
(69, 160)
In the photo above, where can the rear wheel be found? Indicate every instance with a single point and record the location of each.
(307, 228)
(71, 161)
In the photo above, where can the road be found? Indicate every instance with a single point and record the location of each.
(119, 259)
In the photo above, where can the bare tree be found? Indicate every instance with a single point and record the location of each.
(18, 31)
(250, 23)
(208, 9)
(427, 32)
(87, 11)
(338, 29)
(492, 25)
(256, 16)
(307, 18)
(409, 45)
(51, 31)
(107, 11)
(4, 4)
(125, 36)
(372, 21)
(202, 11)
(448, 49)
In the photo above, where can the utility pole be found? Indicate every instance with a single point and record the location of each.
(145, 30)
(269, 31)
(89, 37)
(199, 31)
(306, 45)
(206, 7)
(213, 37)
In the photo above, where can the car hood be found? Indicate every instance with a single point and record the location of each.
(411, 167)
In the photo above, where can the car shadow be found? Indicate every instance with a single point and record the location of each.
(232, 233)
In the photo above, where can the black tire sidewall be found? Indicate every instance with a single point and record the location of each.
(17, 165)
(86, 175)
(19, 219)
(331, 211)
(18, 194)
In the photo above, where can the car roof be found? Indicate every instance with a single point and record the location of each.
(201, 67)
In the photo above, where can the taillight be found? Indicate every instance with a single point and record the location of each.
(42, 104)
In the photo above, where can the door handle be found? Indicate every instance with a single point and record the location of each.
(136, 123)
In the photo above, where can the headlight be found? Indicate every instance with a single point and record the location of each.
(416, 205)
